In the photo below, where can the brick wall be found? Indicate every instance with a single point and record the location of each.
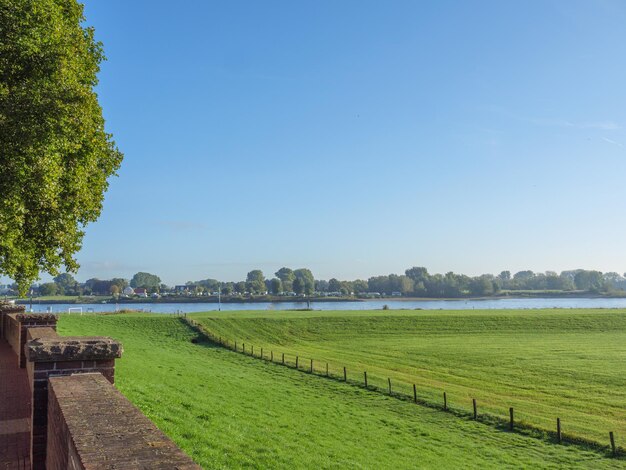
(92, 425)
(78, 419)
(18, 325)
(6, 309)
(50, 355)
(12, 333)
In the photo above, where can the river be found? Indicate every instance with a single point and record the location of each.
(462, 304)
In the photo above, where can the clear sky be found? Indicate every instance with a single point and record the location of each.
(359, 138)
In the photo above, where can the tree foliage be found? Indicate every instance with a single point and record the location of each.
(55, 156)
(48, 288)
(146, 280)
(307, 281)
(255, 281)
(66, 284)
(276, 286)
(287, 277)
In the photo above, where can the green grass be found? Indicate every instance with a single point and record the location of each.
(231, 411)
(544, 363)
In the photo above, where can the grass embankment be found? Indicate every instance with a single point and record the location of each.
(231, 411)
(544, 363)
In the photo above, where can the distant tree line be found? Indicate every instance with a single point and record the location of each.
(415, 282)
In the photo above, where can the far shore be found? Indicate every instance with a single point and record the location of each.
(271, 299)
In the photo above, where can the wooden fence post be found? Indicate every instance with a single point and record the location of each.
(389, 382)
(261, 353)
(414, 393)
(243, 348)
(311, 366)
(283, 358)
(252, 350)
(613, 449)
(235, 345)
(474, 405)
(345, 375)
(511, 419)
(365, 377)
(445, 402)
(558, 430)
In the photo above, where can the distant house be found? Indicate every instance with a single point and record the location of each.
(396, 294)
(141, 292)
(128, 291)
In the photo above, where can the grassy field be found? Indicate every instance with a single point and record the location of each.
(231, 411)
(545, 363)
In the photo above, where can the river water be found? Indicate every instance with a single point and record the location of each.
(462, 304)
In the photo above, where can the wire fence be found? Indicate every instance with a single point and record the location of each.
(404, 391)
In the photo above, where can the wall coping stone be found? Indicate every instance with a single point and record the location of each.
(47, 347)
(11, 308)
(28, 317)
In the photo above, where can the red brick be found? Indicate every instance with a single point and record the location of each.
(14, 407)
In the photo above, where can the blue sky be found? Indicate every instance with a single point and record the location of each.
(361, 137)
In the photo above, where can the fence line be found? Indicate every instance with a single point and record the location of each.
(487, 418)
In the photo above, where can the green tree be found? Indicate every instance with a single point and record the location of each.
(321, 285)
(346, 288)
(308, 281)
(49, 288)
(590, 280)
(148, 281)
(255, 282)
(55, 156)
(402, 284)
(287, 277)
(482, 285)
(120, 283)
(334, 285)
(505, 276)
(276, 286)
(379, 284)
(360, 286)
(66, 284)
(417, 274)
(298, 286)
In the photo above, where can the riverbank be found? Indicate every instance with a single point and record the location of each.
(184, 300)
(379, 304)
(282, 299)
